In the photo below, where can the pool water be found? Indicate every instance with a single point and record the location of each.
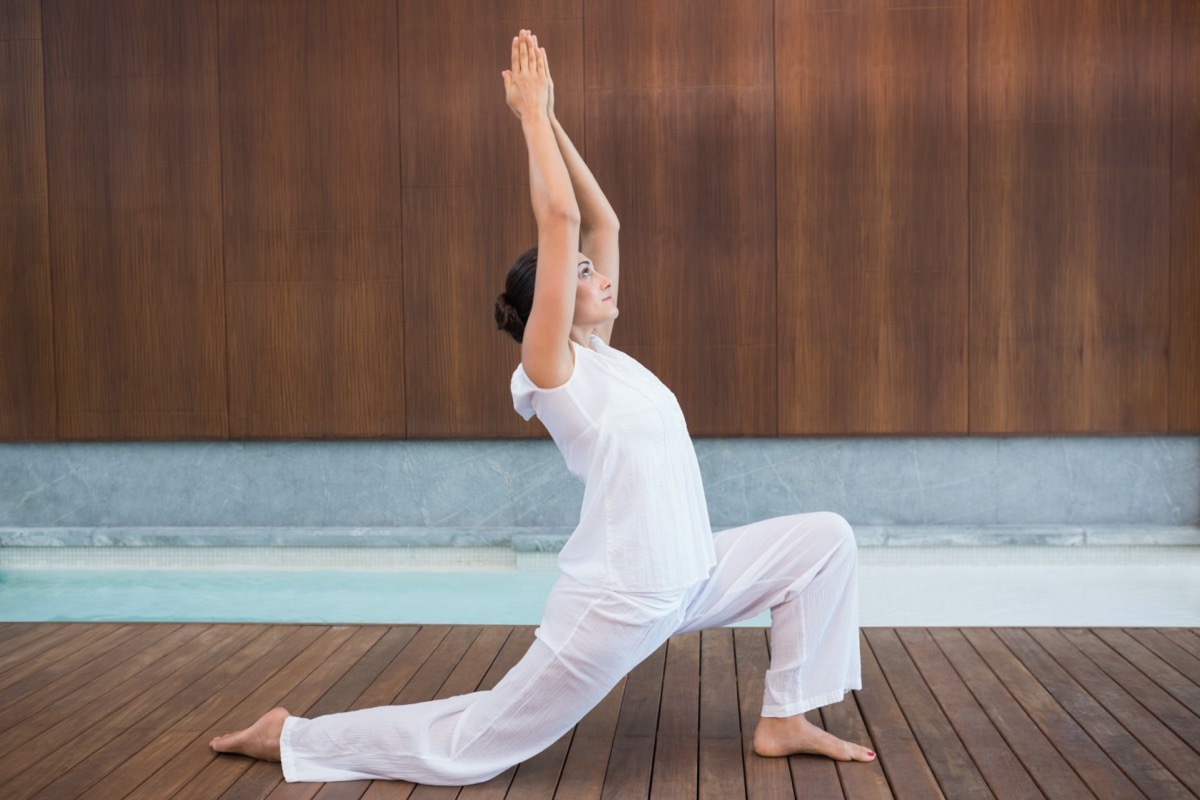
(1163, 595)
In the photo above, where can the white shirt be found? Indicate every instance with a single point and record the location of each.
(644, 523)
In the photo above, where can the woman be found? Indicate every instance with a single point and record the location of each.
(643, 563)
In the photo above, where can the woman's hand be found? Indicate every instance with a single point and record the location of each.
(527, 84)
(550, 91)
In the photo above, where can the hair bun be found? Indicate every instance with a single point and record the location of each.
(507, 318)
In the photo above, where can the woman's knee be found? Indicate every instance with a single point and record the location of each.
(835, 527)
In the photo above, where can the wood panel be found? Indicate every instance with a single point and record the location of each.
(680, 132)
(134, 188)
(1070, 164)
(20, 19)
(466, 205)
(311, 168)
(316, 359)
(27, 392)
(872, 170)
(1185, 220)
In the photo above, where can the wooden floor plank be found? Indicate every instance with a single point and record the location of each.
(1167, 749)
(46, 707)
(384, 690)
(948, 758)
(907, 771)
(1091, 762)
(137, 751)
(105, 707)
(1183, 722)
(1054, 777)
(1180, 659)
(38, 670)
(864, 781)
(673, 776)
(218, 773)
(262, 778)
(21, 704)
(172, 778)
(273, 650)
(1138, 763)
(1005, 775)
(722, 774)
(591, 746)
(766, 778)
(120, 709)
(33, 641)
(86, 730)
(632, 759)
(1189, 640)
(1154, 667)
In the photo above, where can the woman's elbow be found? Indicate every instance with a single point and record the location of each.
(560, 213)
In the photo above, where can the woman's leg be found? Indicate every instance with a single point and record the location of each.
(804, 568)
(589, 639)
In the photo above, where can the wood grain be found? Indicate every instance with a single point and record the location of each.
(466, 208)
(312, 210)
(20, 19)
(636, 45)
(871, 165)
(1070, 222)
(27, 391)
(313, 359)
(134, 188)
(689, 170)
(1185, 220)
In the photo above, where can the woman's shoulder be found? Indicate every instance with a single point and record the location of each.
(525, 390)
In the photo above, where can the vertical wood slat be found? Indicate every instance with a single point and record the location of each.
(134, 195)
(1070, 230)
(871, 159)
(1185, 214)
(27, 391)
(467, 212)
(312, 214)
(680, 135)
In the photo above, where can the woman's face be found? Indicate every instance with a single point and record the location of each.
(594, 301)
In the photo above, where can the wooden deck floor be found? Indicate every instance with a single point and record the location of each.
(118, 710)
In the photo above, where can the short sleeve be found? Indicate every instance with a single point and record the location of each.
(522, 393)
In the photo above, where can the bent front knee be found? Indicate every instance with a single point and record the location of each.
(839, 530)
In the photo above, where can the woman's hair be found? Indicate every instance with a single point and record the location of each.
(515, 302)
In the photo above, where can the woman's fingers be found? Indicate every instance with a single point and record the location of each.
(515, 54)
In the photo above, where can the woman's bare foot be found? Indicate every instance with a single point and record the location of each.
(260, 740)
(785, 736)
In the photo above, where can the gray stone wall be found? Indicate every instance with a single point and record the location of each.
(920, 491)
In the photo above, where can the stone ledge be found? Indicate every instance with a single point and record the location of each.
(551, 539)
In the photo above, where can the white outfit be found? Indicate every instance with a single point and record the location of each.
(641, 566)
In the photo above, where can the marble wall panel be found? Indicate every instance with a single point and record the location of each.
(949, 483)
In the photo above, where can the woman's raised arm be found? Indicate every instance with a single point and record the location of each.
(599, 225)
(545, 350)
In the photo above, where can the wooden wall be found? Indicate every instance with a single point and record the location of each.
(289, 218)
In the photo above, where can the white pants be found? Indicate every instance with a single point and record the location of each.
(803, 567)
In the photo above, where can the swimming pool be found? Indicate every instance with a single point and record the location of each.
(1111, 586)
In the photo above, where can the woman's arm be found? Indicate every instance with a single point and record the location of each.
(545, 350)
(599, 225)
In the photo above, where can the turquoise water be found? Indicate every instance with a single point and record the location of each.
(910, 594)
(131, 595)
